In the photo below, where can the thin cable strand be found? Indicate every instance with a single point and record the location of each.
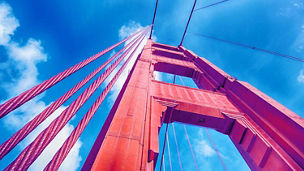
(161, 163)
(188, 139)
(207, 6)
(177, 149)
(251, 47)
(163, 151)
(154, 15)
(169, 153)
(164, 164)
(193, 156)
(215, 148)
(181, 43)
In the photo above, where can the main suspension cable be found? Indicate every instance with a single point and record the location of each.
(19, 100)
(251, 47)
(59, 157)
(8, 145)
(32, 151)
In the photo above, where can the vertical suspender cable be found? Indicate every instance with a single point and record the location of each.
(161, 163)
(154, 15)
(181, 43)
(8, 145)
(213, 144)
(32, 151)
(69, 143)
(17, 101)
(188, 139)
(178, 154)
(163, 151)
(217, 153)
(169, 153)
(187, 136)
(164, 164)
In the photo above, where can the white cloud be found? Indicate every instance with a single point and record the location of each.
(299, 41)
(8, 23)
(19, 73)
(301, 76)
(298, 4)
(130, 28)
(24, 59)
(72, 160)
(203, 148)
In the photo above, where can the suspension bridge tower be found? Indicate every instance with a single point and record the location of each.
(268, 135)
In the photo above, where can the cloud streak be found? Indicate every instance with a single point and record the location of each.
(8, 23)
(301, 76)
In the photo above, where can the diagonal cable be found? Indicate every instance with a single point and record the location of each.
(207, 6)
(59, 157)
(8, 145)
(252, 47)
(31, 152)
(17, 101)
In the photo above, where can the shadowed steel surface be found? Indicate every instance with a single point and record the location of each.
(223, 103)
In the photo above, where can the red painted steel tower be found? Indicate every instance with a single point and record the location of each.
(267, 135)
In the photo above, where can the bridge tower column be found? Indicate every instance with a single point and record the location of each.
(267, 135)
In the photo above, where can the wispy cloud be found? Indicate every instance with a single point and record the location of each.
(18, 73)
(130, 28)
(24, 60)
(202, 147)
(8, 23)
(301, 76)
(73, 159)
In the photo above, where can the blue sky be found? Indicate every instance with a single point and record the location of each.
(39, 39)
